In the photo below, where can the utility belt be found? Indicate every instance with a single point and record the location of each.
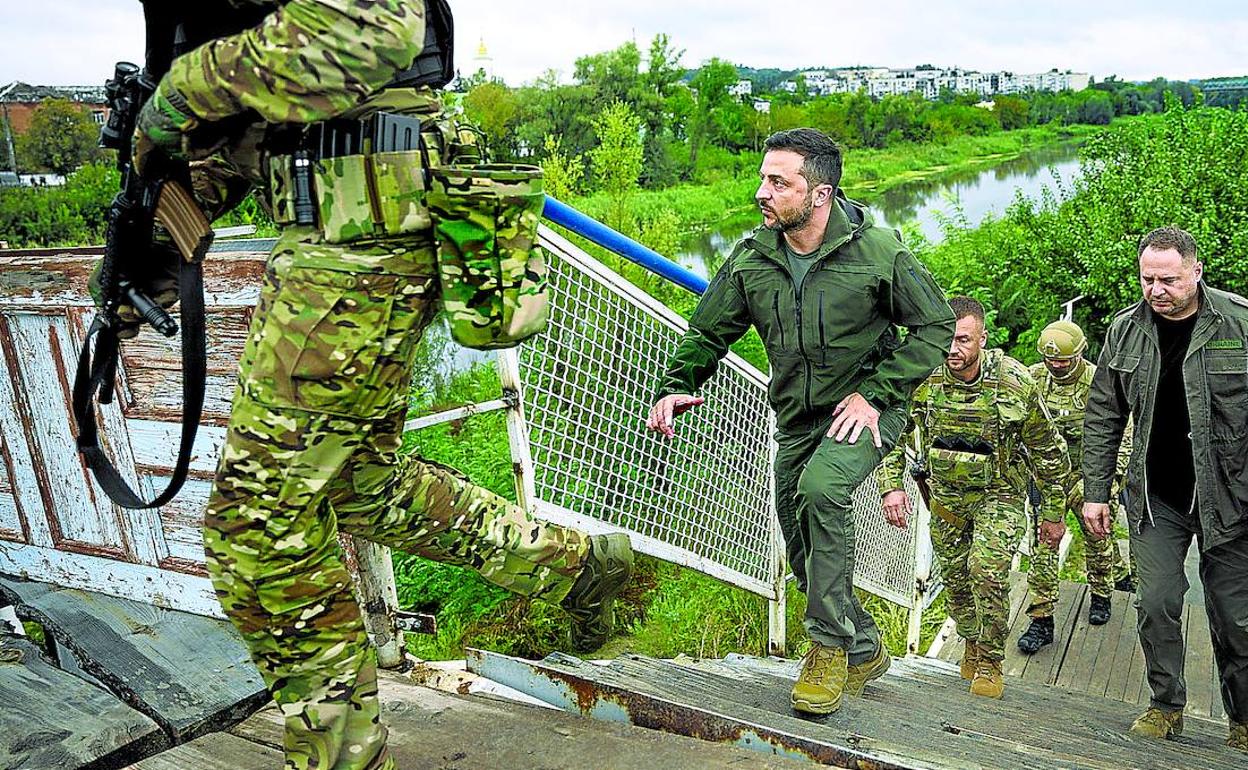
(391, 175)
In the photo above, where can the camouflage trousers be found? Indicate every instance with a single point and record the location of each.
(975, 564)
(1102, 559)
(312, 450)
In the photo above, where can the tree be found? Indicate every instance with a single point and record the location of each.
(1011, 111)
(562, 172)
(711, 102)
(617, 158)
(494, 108)
(61, 137)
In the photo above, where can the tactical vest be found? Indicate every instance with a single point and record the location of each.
(965, 441)
(175, 27)
(1067, 403)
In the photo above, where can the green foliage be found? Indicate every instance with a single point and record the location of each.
(494, 108)
(617, 159)
(70, 215)
(61, 137)
(562, 173)
(1185, 167)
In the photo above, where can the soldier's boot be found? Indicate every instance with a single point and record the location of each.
(1099, 611)
(1125, 583)
(1038, 634)
(970, 659)
(989, 680)
(591, 600)
(858, 675)
(821, 681)
(1156, 723)
(1238, 737)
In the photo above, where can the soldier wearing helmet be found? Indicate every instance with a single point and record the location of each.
(1064, 379)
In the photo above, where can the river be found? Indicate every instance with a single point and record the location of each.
(966, 196)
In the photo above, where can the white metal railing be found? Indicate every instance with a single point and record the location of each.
(704, 499)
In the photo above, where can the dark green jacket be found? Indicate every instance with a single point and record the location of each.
(833, 335)
(1215, 376)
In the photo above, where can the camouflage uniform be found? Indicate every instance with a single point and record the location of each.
(1066, 402)
(977, 499)
(313, 443)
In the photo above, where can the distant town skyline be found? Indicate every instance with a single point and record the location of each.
(75, 42)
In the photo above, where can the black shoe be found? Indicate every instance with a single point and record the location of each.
(1038, 634)
(1099, 612)
(590, 601)
(1125, 583)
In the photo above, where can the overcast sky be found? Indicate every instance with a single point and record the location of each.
(75, 42)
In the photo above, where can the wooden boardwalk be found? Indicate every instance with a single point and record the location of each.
(1107, 660)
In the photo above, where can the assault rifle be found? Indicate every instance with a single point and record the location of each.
(158, 195)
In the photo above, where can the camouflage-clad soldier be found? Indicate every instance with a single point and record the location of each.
(313, 441)
(980, 422)
(1064, 378)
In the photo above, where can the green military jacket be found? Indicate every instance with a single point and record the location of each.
(831, 335)
(1067, 402)
(1215, 375)
(1000, 409)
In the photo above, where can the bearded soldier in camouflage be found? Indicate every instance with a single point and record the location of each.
(980, 421)
(1064, 379)
(313, 441)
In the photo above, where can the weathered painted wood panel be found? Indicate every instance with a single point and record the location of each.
(156, 445)
(52, 719)
(84, 519)
(161, 587)
(188, 673)
(32, 522)
(182, 520)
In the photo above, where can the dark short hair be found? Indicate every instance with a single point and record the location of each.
(964, 306)
(821, 156)
(1169, 237)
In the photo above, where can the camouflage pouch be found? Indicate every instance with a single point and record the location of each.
(344, 210)
(399, 184)
(964, 470)
(490, 266)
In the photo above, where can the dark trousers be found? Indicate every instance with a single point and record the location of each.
(815, 479)
(1159, 548)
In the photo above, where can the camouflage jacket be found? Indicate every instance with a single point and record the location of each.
(1067, 402)
(832, 335)
(1215, 373)
(1001, 408)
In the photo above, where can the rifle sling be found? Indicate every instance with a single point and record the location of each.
(98, 375)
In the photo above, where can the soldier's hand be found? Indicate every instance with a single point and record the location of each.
(666, 409)
(852, 415)
(1051, 533)
(896, 507)
(1098, 519)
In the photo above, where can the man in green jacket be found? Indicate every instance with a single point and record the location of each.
(827, 291)
(1177, 364)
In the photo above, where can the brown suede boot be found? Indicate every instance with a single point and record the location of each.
(822, 680)
(970, 659)
(858, 675)
(989, 681)
(1238, 738)
(1156, 723)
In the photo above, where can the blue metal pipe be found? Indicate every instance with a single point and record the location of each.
(565, 216)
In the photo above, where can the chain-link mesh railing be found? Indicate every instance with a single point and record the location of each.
(702, 499)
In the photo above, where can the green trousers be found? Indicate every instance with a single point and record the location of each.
(815, 478)
(312, 449)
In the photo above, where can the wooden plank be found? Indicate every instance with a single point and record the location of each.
(1103, 669)
(183, 520)
(161, 587)
(1124, 654)
(433, 729)
(1198, 667)
(52, 719)
(1016, 662)
(20, 461)
(1045, 664)
(156, 394)
(225, 334)
(10, 519)
(190, 674)
(1082, 647)
(82, 518)
(156, 444)
(216, 751)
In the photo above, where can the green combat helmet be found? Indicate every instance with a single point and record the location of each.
(1062, 340)
(1062, 344)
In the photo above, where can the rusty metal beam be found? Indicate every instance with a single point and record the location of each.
(568, 683)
